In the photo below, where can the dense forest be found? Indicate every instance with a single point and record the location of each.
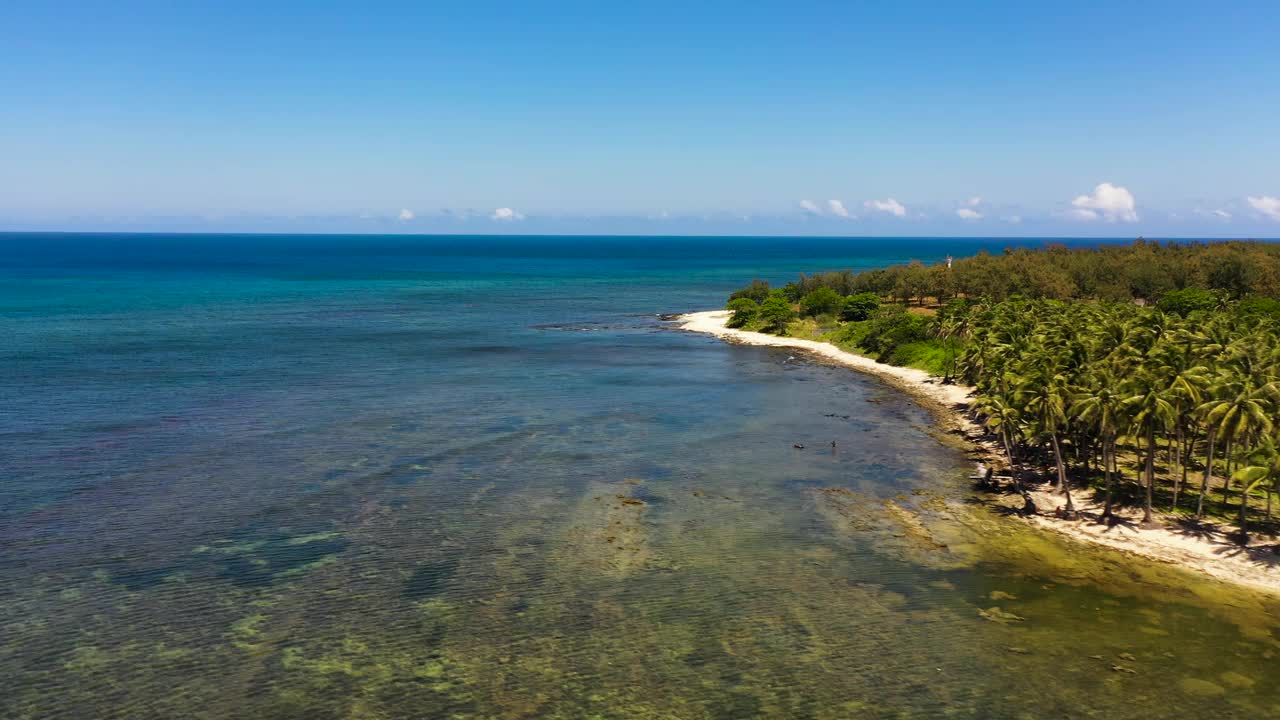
(1147, 373)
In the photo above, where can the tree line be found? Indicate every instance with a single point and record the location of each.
(1157, 359)
(1119, 273)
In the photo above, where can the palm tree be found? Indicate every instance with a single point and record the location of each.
(1074, 377)
(1212, 435)
(1239, 409)
(1262, 471)
(1000, 416)
(1099, 407)
(1045, 396)
(948, 331)
(1186, 392)
(1150, 413)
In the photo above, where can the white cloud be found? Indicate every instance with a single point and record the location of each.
(506, 215)
(1213, 214)
(891, 206)
(1109, 202)
(837, 208)
(406, 215)
(810, 207)
(1012, 219)
(1086, 215)
(974, 201)
(1267, 205)
(968, 214)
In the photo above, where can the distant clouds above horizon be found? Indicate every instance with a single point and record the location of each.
(920, 118)
(1108, 210)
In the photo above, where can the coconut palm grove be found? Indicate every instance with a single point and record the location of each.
(1148, 373)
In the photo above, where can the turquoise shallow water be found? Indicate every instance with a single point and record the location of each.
(364, 477)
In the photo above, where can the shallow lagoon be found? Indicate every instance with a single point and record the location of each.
(330, 496)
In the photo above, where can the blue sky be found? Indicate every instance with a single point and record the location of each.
(996, 118)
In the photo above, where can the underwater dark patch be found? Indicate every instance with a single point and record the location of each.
(288, 556)
(137, 579)
(640, 492)
(430, 579)
(263, 565)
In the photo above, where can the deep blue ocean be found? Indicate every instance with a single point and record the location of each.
(261, 476)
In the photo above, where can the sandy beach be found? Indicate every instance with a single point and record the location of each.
(1209, 551)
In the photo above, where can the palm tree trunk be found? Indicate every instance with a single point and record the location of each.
(1175, 447)
(1244, 514)
(1188, 444)
(1147, 518)
(1226, 482)
(1062, 474)
(1109, 464)
(1028, 505)
(1208, 473)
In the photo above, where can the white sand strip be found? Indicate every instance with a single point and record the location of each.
(920, 382)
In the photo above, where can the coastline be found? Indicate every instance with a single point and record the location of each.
(1210, 554)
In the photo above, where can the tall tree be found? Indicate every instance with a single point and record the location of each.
(1151, 414)
(1099, 405)
(1240, 409)
(1045, 396)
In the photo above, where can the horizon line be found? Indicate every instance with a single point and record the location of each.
(185, 233)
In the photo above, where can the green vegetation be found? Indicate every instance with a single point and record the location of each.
(1132, 370)
(1188, 300)
(1118, 273)
(860, 307)
(775, 313)
(822, 301)
(744, 309)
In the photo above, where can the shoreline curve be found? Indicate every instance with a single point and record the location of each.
(1256, 568)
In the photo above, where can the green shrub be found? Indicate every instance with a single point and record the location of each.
(1186, 301)
(822, 301)
(893, 326)
(859, 307)
(928, 355)
(1269, 307)
(776, 312)
(744, 311)
(851, 335)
